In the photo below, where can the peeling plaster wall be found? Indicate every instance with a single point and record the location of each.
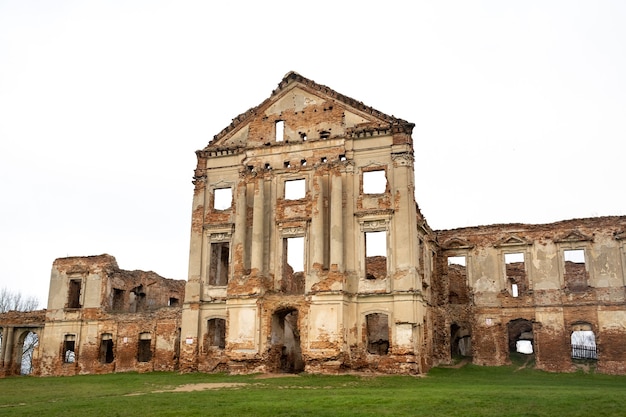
(548, 299)
(246, 306)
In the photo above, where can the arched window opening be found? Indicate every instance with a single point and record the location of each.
(30, 343)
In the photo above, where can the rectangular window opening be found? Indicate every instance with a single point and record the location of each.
(106, 348)
(374, 182)
(216, 334)
(458, 291)
(515, 267)
(222, 198)
(280, 130)
(69, 348)
(219, 263)
(376, 255)
(144, 351)
(173, 302)
(118, 299)
(73, 299)
(295, 189)
(576, 274)
(377, 327)
(293, 266)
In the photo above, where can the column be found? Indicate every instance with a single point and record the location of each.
(317, 225)
(336, 222)
(258, 223)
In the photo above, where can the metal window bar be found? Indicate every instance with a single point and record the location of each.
(584, 352)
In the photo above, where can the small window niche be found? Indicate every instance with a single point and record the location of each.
(222, 198)
(295, 189)
(280, 130)
(144, 350)
(376, 255)
(73, 298)
(377, 327)
(69, 348)
(457, 277)
(216, 333)
(576, 275)
(515, 268)
(374, 182)
(106, 348)
(293, 266)
(219, 263)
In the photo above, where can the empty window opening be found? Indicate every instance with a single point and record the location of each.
(583, 342)
(457, 280)
(106, 348)
(303, 162)
(515, 273)
(219, 263)
(324, 134)
(576, 275)
(293, 266)
(342, 158)
(137, 299)
(285, 349)
(144, 351)
(295, 189)
(374, 182)
(460, 341)
(222, 198)
(268, 166)
(69, 348)
(303, 136)
(280, 130)
(216, 333)
(287, 164)
(118, 299)
(520, 332)
(73, 299)
(376, 255)
(29, 344)
(324, 160)
(173, 302)
(377, 329)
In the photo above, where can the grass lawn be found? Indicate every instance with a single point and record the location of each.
(466, 391)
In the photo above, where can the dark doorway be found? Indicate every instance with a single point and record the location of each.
(285, 350)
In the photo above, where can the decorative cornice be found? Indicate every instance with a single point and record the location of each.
(381, 212)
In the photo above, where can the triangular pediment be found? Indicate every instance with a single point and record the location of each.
(512, 240)
(309, 111)
(573, 236)
(457, 243)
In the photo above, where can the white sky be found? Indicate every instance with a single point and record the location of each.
(519, 109)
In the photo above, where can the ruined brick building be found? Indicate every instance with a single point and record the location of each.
(308, 252)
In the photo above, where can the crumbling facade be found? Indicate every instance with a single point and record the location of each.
(99, 319)
(309, 253)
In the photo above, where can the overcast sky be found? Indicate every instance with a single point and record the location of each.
(520, 111)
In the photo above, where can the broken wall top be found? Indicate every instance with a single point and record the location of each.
(310, 111)
(574, 230)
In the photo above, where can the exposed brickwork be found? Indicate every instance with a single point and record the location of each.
(244, 309)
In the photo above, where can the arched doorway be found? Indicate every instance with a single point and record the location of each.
(28, 342)
(460, 340)
(521, 339)
(285, 350)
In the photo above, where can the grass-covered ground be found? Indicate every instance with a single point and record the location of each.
(466, 391)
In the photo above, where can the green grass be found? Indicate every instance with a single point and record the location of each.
(467, 391)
